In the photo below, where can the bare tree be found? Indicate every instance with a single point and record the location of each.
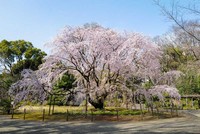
(182, 15)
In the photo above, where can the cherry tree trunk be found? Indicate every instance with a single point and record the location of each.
(97, 103)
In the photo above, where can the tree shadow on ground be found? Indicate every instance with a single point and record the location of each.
(147, 127)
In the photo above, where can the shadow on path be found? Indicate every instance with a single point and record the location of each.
(165, 126)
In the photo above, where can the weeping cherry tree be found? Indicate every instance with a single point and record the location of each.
(102, 59)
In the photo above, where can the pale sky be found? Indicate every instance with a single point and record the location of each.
(38, 21)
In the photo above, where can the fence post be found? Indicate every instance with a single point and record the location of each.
(141, 109)
(53, 104)
(198, 103)
(12, 113)
(176, 111)
(86, 105)
(50, 105)
(43, 114)
(117, 114)
(67, 115)
(152, 106)
(92, 118)
(192, 102)
(186, 103)
(24, 113)
(171, 109)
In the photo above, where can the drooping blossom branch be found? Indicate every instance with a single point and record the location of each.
(36, 85)
(160, 91)
(102, 58)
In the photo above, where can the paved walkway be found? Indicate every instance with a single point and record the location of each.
(195, 113)
(186, 125)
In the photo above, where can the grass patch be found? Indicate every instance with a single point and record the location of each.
(78, 114)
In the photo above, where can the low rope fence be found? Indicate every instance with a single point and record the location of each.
(70, 114)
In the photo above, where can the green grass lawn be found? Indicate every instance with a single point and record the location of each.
(78, 114)
(74, 113)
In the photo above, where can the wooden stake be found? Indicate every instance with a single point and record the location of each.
(67, 115)
(12, 114)
(50, 105)
(53, 105)
(24, 113)
(43, 114)
(92, 119)
(117, 114)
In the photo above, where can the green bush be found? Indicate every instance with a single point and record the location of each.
(6, 105)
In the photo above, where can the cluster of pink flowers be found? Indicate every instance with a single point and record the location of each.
(101, 59)
(159, 91)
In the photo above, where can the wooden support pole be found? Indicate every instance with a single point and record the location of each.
(86, 105)
(176, 111)
(12, 113)
(92, 118)
(192, 102)
(50, 105)
(186, 103)
(43, 114)
(171, 109)
(53, 105)
(67, 115)
(198, 103)
(152, 106)
(117, 115)
(141, 110)
(24, 113)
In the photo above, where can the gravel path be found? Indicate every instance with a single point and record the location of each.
(186, 125)
(195, 113)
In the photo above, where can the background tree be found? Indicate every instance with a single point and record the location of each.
(14, 57)
(5, 81)
(18, 55)
(181, 53)
(186, 17)
(32, 59)
(65, 89)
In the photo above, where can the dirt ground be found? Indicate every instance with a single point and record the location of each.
(183, 125)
